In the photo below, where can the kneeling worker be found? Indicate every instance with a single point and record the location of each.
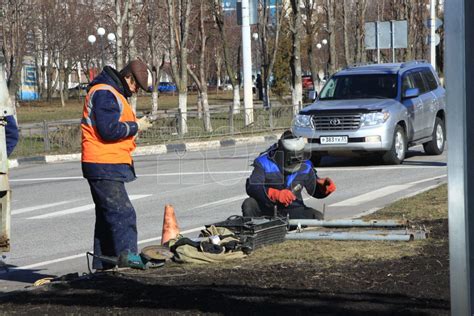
(277, 175)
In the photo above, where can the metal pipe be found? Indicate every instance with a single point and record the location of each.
(348, 223)
(347, 236)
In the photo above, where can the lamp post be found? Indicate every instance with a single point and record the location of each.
(92, 39)
(324, 42)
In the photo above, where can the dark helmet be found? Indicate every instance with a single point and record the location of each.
(290, 152)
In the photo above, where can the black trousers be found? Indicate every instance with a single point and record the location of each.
(115, 224)
(251, 208)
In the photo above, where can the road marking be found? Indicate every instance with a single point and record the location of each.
(220, 202)
(373, 195)
(81, 208)
(45, 263)
(40, 207)
(45, 179)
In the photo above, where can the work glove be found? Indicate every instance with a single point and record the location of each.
(325, 185)
(144, 124)
(285, 196)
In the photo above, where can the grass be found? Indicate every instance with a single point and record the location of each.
(429, 205)
(39, 111)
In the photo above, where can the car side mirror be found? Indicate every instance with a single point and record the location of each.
(411, 93)
(312, 95)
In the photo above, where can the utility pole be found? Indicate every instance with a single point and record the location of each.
(433, 33)
(247, 62)
(6, 108)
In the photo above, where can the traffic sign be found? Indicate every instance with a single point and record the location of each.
(437, 39)
(438, 22)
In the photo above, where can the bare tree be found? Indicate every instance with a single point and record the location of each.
(295, 64)
(201, 80)
(157, 37)
(269, 34)
(15, 25)
(119, 19)
(312, 25)
(229, 65)
(178, 19)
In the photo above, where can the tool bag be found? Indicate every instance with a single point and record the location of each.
(255, 232)
(205, 250)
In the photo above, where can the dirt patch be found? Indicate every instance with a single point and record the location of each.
(323, 278)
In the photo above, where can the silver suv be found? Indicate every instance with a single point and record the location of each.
(377, 109)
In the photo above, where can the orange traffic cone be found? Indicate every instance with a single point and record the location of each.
(170, 225)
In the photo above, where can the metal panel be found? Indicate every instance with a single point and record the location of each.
(370, 36)
(385, 35)
(401, 34)
(460, 99)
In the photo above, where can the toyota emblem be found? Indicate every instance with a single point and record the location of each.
(335, 122)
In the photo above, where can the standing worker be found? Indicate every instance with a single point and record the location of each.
(277, 174)
(109, 128)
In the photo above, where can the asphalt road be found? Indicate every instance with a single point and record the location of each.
(53, 212)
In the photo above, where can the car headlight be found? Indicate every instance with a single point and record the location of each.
(302, 120)
(374, 118)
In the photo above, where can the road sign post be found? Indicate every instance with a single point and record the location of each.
(459, 32)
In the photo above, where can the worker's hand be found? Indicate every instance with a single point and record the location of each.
(144, 124)
(326, 185)
(285, 196)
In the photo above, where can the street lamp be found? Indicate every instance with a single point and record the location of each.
(101, 32)
(319, 46)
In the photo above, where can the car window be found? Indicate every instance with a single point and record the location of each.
(430, 79)
(418, 81)
(360, 87)
(407, 83)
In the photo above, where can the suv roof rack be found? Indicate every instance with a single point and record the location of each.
(357, 65)
(413, 62)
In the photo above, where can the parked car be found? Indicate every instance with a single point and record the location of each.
(79, 90)
(377, 109)
(307, 83)
(165, 87)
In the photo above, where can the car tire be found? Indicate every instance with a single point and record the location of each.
(316, 159)
(436, 145)
(396, 154)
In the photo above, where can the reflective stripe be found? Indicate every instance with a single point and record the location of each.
(128, 128)
(107, 88)
(267, 164)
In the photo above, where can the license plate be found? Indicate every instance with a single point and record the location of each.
(333, 140)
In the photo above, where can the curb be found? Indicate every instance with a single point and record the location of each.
(154, 149)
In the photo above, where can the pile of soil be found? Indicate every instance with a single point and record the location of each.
(407, 286)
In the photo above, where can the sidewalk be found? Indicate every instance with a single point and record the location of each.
(155, 149)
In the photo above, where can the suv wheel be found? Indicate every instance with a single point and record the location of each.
(436, 145)
(396, 154)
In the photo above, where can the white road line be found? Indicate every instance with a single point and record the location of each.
(140, 175)
(40, 207)
(220, 202)
(81, 208)
(45, 263)
(373, 195)
(368, 168)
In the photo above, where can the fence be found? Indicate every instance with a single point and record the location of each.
(65, 136)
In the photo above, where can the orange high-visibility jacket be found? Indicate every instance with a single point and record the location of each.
(94, 148)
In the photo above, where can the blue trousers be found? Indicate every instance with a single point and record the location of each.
(116, 221)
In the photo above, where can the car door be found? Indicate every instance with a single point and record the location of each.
(413, 106)
(436, 98)
(423, 107)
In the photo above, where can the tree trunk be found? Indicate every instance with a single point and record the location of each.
(236, 100)
(348, 32)
(332, 59)
(207, 114)
(183, 106)
(297, 84)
